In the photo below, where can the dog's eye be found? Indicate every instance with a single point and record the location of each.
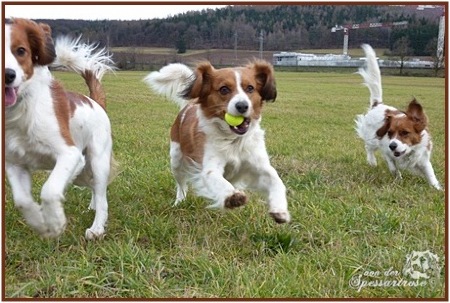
(404, 133)
(390, 133)
(224, 90)
(250, 89)
(21, 51)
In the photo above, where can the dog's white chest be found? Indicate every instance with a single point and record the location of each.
(27, 151)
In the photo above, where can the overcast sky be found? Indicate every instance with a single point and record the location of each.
(113, 10)
(100, 12)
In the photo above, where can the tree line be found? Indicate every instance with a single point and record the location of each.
(277, 27)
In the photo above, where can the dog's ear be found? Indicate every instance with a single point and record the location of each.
(200, 85)
(40, 39)
(416, 114)
(265, 78)
(382, 131)
(46, 48)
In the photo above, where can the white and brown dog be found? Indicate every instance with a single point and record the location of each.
(49, 128)
(217, 159)
(403, 137)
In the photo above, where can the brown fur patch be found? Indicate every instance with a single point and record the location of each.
(75, 100)
(185, 132)
(95, 89)
(236, 200)
(403, 129)
(62, 111)
(376, 103)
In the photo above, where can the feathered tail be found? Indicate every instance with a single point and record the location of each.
(82, 58)
(171, 81)
(372, 76)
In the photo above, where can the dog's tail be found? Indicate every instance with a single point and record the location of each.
(83, 59)
(171, 81)
(372, 76)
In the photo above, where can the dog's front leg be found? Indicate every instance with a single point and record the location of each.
(428, 172)
(69, 164)
(269, 183)
(214, 186)
(20, 181)
(392, 167)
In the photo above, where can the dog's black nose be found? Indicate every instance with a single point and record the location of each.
(10, 76)
(241, 106)
(393, 146)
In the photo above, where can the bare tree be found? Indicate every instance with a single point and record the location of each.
(438, 63)
(402, 49)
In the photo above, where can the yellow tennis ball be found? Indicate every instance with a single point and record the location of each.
(233, 120)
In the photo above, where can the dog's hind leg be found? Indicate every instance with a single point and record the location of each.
(20, 181)
(176, 164)
(371, 159)
(100, 162)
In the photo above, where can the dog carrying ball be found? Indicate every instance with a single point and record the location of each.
(233, 120)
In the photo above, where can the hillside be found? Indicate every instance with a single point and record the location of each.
(278, 27)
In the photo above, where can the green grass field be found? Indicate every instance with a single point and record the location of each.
(351, 223)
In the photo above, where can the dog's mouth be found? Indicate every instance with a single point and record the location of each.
(242, 128)
(10, 96)
(399, 154)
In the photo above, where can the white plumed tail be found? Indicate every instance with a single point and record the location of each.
(371, 75)
(171, 81)
(80, 57)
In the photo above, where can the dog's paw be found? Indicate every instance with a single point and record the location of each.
(236, 200)
(281, 217)
(55, 220)
(92, 234)
(437, 186)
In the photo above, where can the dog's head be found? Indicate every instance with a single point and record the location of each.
(27, 44)
(237, 91)
(404, 129)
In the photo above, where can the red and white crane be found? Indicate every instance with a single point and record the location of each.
(348, 27)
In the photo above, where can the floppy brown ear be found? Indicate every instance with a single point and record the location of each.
(417, 115)
(41, 42)
(382, 131)
(46, 47)
(265, 78)
(40, 38)
(201, 83)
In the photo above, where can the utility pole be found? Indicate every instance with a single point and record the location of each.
(261, 42)
(441, 37)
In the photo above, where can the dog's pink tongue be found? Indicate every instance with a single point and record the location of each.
(10, 96)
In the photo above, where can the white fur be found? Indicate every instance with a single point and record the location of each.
(170, 81)
(77, 56)
(34, 142)
(231, 163)
(415, 158)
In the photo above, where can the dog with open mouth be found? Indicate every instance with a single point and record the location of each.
(402, 136)
(217, 144)
(50, 128)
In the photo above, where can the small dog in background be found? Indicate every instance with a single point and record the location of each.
(402, 136)
(217, 143)
(49, 128)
